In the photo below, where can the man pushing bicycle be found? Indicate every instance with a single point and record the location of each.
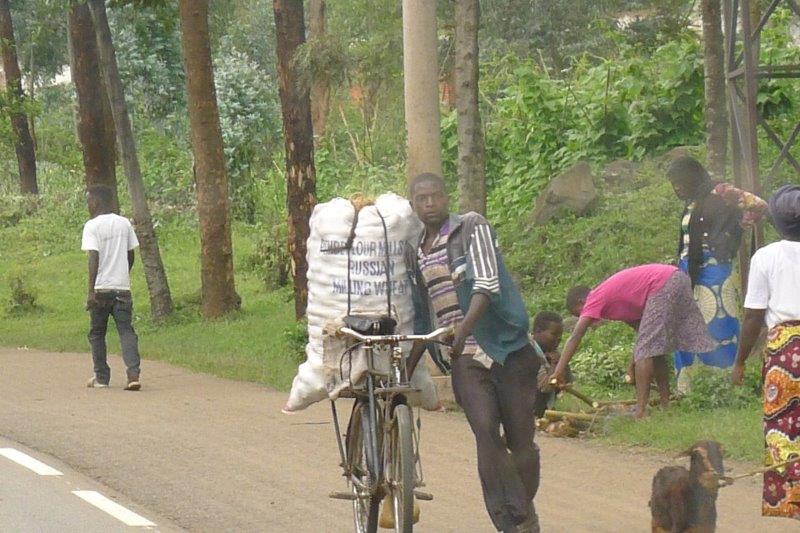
(459, 275)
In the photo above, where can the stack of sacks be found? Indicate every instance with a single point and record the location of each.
(331, 224)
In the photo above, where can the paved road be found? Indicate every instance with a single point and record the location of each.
(217, 455)
(39, 493)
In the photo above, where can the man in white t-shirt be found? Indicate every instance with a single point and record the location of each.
(109, 240)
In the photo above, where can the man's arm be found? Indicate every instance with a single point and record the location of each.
(483, 255)
(751, 328)
(94, 263)
(417, 350)
(571, 347)
(755, 309)
(131, 257)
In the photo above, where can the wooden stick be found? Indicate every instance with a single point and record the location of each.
(570, 389)
(632, 401)
(728, 480)
(559, 415)
(575, 392)
(611, 403)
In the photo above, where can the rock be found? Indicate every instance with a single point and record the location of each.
(620, 173)
(571, 191)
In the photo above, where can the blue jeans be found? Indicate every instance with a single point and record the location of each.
(118, 304)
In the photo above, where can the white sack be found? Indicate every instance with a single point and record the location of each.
(327, 285)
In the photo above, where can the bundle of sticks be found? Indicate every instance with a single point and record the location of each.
(571, 424)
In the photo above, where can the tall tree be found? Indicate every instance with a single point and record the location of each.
(213, 204)
(301, 176)
(95, 124)
(26, 156)
(716, 116)
(157, 285)
(420, 79)
(471, 150)
(321, 85)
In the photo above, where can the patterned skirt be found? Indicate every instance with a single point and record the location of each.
(781, 374)
(671, 321)
(716, 296)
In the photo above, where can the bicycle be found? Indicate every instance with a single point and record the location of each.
(380, 451)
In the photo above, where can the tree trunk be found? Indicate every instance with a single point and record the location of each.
(298, 142)
(213, 205)
(23, 142)
(321, 87)
(421, 87)
(471, 153)
(32, 96)
(715, 103)
(157, 285)
(95, 131)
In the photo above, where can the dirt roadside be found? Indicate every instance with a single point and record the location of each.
(218, 455)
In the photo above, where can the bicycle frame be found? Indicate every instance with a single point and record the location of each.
(382, 392)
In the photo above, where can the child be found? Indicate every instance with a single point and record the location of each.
(548, 327)
(655, 300)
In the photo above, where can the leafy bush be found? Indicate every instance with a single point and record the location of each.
(711, 388)
(166, 161)
(270, 260)
(624, 106)
(14, 208)
(337, 175)
(250, 122)
(296, 336)
(603, 368)
(147, 41)
(23, 296)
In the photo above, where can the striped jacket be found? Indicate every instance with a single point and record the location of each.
(476, 265)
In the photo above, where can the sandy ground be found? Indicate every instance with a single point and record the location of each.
(218, 455)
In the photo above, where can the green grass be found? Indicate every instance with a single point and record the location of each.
(734, 420)
(676, 429)
(249, 345)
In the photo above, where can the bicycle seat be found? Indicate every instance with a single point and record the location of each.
(371, 324)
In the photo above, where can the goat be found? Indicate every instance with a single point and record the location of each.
(685, 501)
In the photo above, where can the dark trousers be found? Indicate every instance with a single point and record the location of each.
(119, 305)
(503, 394)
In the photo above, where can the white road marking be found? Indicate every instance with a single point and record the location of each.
(126, 516)
(29, 462)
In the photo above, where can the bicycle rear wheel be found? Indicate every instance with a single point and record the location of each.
(363, 470)
(403, 471)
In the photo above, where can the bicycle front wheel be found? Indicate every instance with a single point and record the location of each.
(403, 469)
(363, 470)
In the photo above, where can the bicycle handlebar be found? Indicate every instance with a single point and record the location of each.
(376, 339)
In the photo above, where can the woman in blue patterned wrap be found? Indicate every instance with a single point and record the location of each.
(713, 220)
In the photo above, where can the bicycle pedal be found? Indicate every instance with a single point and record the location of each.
(342, 496)
(424, 496)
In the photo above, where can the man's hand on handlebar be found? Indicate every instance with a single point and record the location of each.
(457, 344)
(418, 349)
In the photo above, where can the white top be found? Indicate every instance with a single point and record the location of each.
(111, 236)
(774, 282)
